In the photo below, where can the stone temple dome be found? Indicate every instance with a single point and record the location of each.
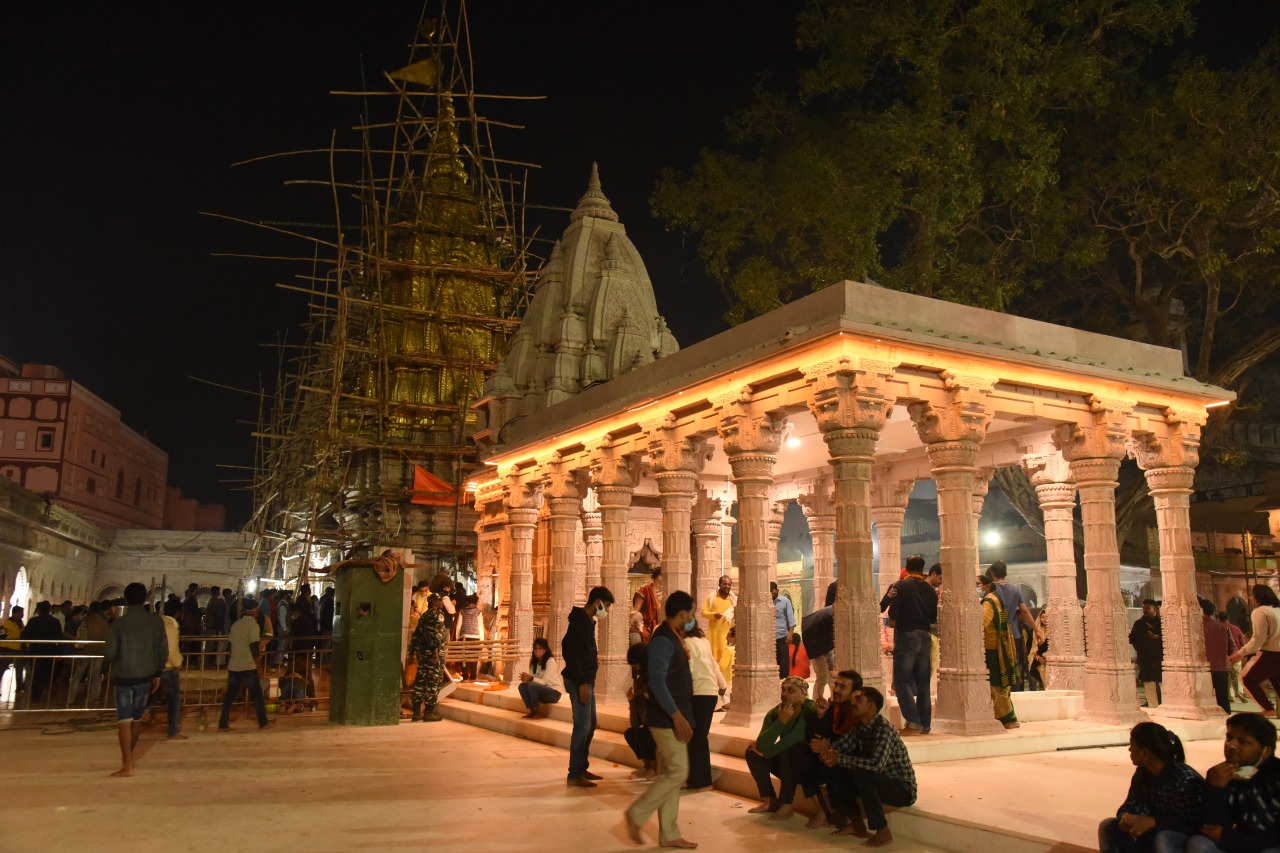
(592, 317)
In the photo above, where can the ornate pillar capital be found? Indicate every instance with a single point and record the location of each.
(1046, 467)
(819, 501)
(559, 481)
(963, 418)
(1101, 436)
(519, 492)
(888, 492)
(745, 430)
(849, 393)
(612, 470)
(669, 451)
(1179, 447)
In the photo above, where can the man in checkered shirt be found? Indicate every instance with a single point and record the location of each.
(868, 764)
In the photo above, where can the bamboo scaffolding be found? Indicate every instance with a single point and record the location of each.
(333, 444)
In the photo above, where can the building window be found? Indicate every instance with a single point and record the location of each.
(20, 439)
(103, 461)
(92, 486)
(93, 456)
(1, 438)
(137, 492)
(44, 439)
(120, 485)
(19, 384)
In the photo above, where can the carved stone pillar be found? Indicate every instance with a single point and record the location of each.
(953, 433)
(1094, 451)
(614, 476)
(707, 528)
(521, 504)
(981, 485)
(849, 400)
(1049, 473)
(593, 543)
(888, 508)
(777, 514)
(819, 507)
(565, 502)
(676, 463)
(1169, 462)
(751, 441)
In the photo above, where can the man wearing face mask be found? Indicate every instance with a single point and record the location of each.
(578, 650)
(1241, 802)
(668, 714)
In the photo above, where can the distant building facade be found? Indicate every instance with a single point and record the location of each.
(84, 503)
(59, 439)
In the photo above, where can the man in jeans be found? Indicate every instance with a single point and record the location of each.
(136, 650)
(242, 668)
(171, 677)
(913, 608)
(578, 649)
(871, 768)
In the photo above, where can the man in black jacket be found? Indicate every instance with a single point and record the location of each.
(668, 713)
(578, 650)
(913, 609)
(43, 626)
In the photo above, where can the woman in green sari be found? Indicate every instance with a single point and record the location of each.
(1002, 656)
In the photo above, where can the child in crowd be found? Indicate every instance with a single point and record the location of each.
(638, 735)
(293, 691)
(470, 627)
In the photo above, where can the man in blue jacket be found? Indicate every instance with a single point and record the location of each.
(668, 713)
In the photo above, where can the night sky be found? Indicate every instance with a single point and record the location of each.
(123, 121)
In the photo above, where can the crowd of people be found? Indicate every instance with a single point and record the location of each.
(842, 756)
(132, 653)
(292, 629)
(841, 752)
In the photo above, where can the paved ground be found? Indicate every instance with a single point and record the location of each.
(306, 785)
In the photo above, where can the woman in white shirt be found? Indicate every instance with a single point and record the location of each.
(1266, 643)
(541, 684)
(708, 684)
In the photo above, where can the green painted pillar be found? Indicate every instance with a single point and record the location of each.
(365, 686)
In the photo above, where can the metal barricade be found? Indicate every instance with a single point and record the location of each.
(55, 676)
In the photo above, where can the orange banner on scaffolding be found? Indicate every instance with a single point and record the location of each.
(430, 490)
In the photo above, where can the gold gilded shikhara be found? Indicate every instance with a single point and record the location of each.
(444, 292)
(368, 443)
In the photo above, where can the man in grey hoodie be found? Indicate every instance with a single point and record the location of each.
(137, 649)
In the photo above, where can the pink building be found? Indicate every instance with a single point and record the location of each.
(59, 439)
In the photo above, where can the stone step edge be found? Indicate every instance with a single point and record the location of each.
(614, 718)
(730, 776)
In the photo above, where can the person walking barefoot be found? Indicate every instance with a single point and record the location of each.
(669, 712)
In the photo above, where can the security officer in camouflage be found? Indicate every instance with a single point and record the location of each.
(427, 646)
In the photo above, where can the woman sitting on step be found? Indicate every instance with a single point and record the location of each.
(1164, 794)
(541, 685)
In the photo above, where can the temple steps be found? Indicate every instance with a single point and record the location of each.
(500, 711)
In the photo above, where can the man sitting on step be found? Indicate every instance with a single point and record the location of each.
(870, 766)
